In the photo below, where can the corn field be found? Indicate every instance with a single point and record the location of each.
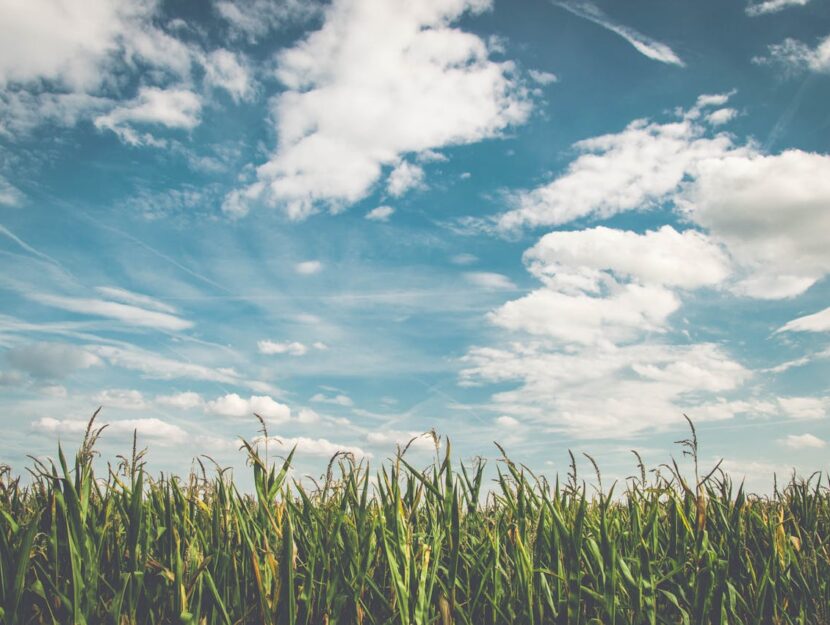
(406, 546)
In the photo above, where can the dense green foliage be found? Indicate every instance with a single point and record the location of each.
(407, 547)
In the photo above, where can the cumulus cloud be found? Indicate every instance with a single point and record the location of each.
(586, 361)
(603, 285)
(771, 212)
(506, 421)
(153, 428)
(631, 310)
(805, 407)
(308, 267)
(646, 46)
(229, 71)
(772, 6)
(721, 116)
(768, 212)
(489, 280)
(337, 400)
(321, 447)
(584, 259)
(57, 56)
(176, 108)
(126, 313)
(126, 399)
(404, 176)
(380, 213)
(60, 40)
(638, 168)
(817, 322)
(187, 400)
(602, 391)
(351, 108)
(389, 439)
(51, 360)
(543, 78)
(292, 348)
(803, 441)
(232, 405)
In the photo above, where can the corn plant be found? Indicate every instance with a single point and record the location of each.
(403, 545)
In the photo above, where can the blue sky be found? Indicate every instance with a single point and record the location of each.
(553, 224)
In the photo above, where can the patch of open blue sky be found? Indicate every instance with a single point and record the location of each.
(146, 260)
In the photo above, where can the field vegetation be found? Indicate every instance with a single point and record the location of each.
(404, 545)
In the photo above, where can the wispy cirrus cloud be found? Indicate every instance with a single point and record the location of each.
(126, 313)
(651, 48)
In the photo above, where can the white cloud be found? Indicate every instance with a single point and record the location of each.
(595, 369)
(389, 439)
(176, 108)
(154, 366)
(803, 441)
(337, 400)
(797, 56)
(292, 348)
(308, 267)
(229, 71)
(543, 78)
(506, 421)
(603, 285)
(232, 405)
(583, 259)
(772, 6)
(489, 280)
(51, 360)
(721, 116)
(769, 212)
(307, 415)
(464, 259)
(626, 312)
(57, 54)
(60, 40)
(603, 391)
(153, 428)
(772, 213)
(187, 400)
(131, 315)
(125, 399)
(253, 19)
(9, 194)
(646, 46)
(380, 213)
(136, 299)
(318, 447)
(817, 322)
(638, 168)
(381, 79)
(805, 407)
(405, 176)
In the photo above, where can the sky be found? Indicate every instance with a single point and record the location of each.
(556, 225)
